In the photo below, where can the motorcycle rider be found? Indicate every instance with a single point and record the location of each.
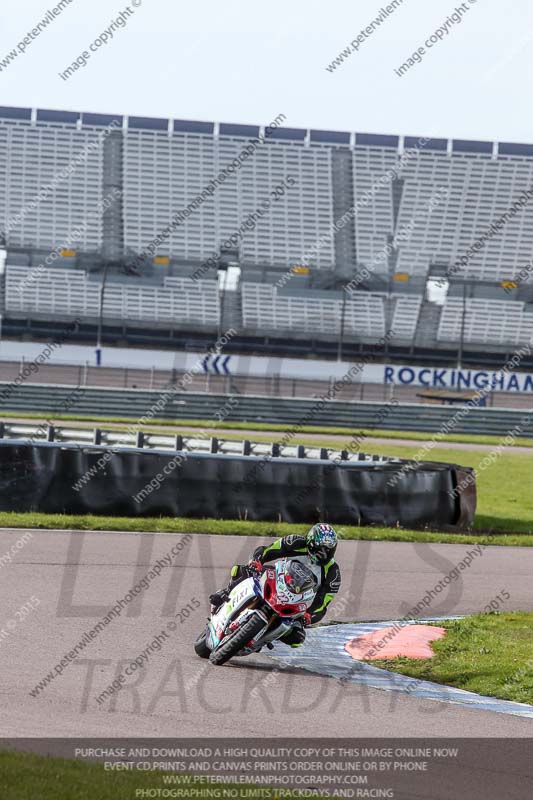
(316, 548)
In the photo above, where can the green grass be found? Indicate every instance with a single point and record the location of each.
(184, 425)
(490, 654)
(226, 527)
(31, 777)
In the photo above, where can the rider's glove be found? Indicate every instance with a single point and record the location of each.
(256, 566)
(306, 619)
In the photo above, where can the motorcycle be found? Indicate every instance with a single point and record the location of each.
(259, 610)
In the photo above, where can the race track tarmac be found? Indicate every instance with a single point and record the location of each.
(73, 579)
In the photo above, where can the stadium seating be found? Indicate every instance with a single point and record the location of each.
(60, 292)
(31, 161)
(416, 208)
(67, 293)
(164, 174)
(165, 164)
(405, 317)
(479, 191)
(489, 322)
(265, 309)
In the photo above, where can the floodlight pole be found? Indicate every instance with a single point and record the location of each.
(101, 318)
(222, 297)
(3, 260)
(343, 320)
(462, 339)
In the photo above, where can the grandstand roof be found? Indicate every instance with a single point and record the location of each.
(339, 138)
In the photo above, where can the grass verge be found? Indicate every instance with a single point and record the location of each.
(27, 777)
(225, 527)
(490, 654)
(33, 777)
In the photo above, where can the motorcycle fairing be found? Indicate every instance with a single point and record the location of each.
(272, 583)
(240, 596)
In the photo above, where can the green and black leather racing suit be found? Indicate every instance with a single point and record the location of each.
(292, 546)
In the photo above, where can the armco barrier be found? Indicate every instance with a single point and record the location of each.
(134, 404)
(75, 479)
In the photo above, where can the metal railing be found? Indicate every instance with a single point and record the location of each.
(193, 444)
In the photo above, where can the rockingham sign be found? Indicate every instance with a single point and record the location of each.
(213, 363)
(458, 379)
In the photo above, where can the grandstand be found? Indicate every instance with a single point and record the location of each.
(351, 250)
(70, 294)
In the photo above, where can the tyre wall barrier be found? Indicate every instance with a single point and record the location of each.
(78, 479)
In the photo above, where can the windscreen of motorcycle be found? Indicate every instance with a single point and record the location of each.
(294, 581)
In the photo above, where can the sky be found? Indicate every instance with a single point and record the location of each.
(243, 62)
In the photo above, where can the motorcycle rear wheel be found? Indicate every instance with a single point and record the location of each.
(237, 641)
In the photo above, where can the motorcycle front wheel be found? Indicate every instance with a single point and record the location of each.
(237, 641)
(200, 647)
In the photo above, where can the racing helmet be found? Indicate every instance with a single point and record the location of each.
(321, 543)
